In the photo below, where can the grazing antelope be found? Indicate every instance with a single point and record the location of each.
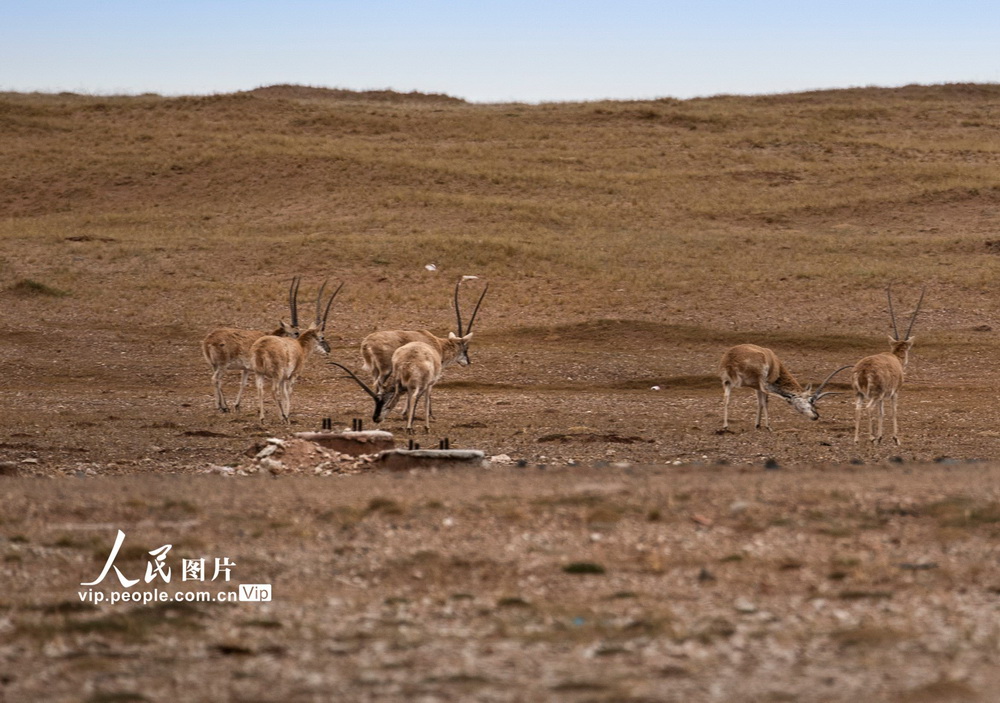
(378, 347)
(416, 367)
(280, 359)
(880, 376)
(229, 348)
(760, 369)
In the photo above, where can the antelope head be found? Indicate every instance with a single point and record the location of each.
(383, 402)
(805, 402)
(465, 334)
(901, 347)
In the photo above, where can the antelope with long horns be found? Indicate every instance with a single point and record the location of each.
(759, 368)
(880, 376)
(378, 347)
(228, 348)
(280, 359)
(416, 368)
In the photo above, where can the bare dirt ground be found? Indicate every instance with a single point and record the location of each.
(628, 551)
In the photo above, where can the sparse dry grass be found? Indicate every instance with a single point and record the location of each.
(617, 194)
(626, 245)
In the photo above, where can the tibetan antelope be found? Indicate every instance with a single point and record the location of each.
(880, 376)
(416, 367)
(760, 369)
(378, 347)
(280, 359)
(229, 348)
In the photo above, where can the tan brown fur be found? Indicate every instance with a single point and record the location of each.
(280, 360)
(378, 348)
(880, 376)
(876, 378)
(228, 348)
(761, 369)
(416, 367)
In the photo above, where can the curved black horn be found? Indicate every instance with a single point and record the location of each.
(819, 391)
(473, 318)
(326, 312)
(914, 318)
(458, 313)
(319, 301)
(361, 383)
(293, 301)
(892, 315)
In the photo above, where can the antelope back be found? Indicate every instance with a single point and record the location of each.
(276, 357)
(378, 347)
(749, 365)
(227, 346)
(877, 375)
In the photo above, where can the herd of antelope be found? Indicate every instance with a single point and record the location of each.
(400, 362)
(410, 363)
(875, 379)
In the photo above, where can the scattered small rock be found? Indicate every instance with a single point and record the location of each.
(737, 507)
(221, 470)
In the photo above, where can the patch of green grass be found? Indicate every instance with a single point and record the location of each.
(117, 697)
(583, 567)
(28, 288)
(513, 602)
(963, 511)
(386, 506)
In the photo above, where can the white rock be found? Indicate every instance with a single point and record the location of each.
(267, 451)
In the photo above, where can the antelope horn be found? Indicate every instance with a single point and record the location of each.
(326, 313)
(458, 313)
(914, 318)
(361, 383)
(293, 301)
(476, 310)
(819, 391)
(895, 332)
(319, 300)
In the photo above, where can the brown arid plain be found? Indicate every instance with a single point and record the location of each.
(626, 550)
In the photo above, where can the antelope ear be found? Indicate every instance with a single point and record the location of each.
(892, 340)
(467, 337)
(452, 335)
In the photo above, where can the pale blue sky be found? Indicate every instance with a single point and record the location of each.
(491, 51)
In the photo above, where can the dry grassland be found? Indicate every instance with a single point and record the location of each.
(626, 245)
